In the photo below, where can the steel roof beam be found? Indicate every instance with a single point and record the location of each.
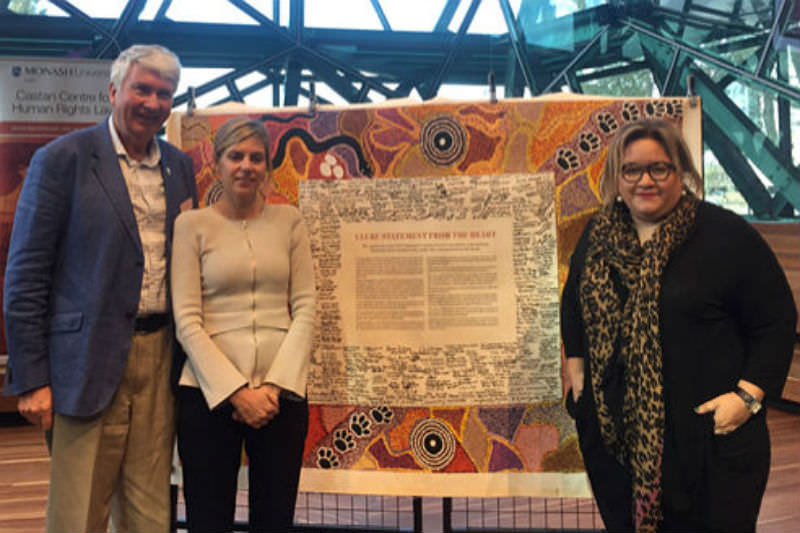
(448, 11)
(130, 14)
(717, 107)
(82, 17)
(430, 89)
(225, 78)
(162, 10)
(781, 13)
(376, 5)
(782, 89)
(737, 167)
(270, 25)
(577, 59)
(519, 45)
(722, 123)
(296, 17)
(233, 90)
(699, 21)
(333, 79)
(291, 88)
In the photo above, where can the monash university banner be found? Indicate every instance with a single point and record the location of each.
(39, 101)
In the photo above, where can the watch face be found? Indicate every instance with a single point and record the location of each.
(750, 401)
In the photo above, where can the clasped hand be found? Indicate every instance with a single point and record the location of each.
(256, 406)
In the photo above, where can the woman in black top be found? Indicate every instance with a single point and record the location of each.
(676, 320)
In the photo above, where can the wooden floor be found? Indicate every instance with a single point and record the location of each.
(24, 468)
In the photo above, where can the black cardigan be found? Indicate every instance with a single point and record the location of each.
(726, 313)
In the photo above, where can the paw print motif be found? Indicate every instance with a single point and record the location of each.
(630, 112)
(330, 167)
(359, 424)
(343, 440)
(327, 459)
(607, 123)
(381, 414)
(567, 159)
(588, 142)
(674, 108)
(655, 109)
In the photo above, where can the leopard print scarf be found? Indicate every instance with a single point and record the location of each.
(625, 335)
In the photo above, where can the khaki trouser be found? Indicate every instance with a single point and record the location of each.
(120, 460)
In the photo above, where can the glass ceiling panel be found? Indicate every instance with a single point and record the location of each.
(152, 7)
(489, 18)
(324, 91)
(413, 15)
(194, 77)
(568, 7)
(718, 187)
(351, 14)
(216, 11)
(795, 121)
(631, 84)
(261, 97)
(249, 79)
(759, 106)
(553, 34)
(46, 8)
(263, 6)
(212, 97)
(465, 92)
(458, 16)
(108, 9)
(24, 7)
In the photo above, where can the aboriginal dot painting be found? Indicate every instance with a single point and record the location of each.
(510, 449)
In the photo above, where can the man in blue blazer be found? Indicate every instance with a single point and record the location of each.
(86, 303)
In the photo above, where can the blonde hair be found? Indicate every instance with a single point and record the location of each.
(237, 129)
(151, 56)
(665, 134)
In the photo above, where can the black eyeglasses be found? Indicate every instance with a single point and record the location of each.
(658, 171)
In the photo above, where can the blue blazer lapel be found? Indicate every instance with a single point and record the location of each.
(109, 175)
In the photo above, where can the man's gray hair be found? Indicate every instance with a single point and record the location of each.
(151, 56)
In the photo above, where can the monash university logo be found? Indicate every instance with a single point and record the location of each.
(32, 72)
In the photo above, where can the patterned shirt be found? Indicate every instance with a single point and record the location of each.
(146, 190)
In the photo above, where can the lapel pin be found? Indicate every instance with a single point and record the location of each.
(169, 171)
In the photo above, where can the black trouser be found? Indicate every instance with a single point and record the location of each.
(610, 481)
(734, 477)
(210, 448)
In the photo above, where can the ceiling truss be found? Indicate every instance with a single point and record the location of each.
(365, 65)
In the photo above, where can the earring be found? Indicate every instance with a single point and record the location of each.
(619, 199)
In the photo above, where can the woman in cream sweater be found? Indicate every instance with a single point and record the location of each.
(244, 303)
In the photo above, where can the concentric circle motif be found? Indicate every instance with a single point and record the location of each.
(213, 193)
(443, 140)
(432, 443)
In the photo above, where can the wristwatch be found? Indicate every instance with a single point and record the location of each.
(751, 402)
